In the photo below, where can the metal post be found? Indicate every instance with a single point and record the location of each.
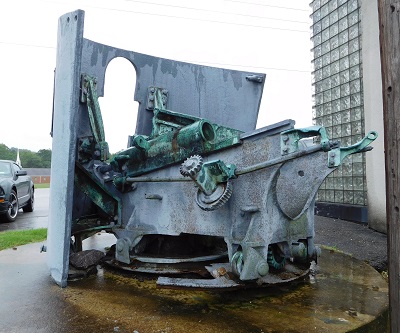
(66, 103)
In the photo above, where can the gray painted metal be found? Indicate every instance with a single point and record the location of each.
(272, 204)
(222, 96)
(251, 219)
(302, 176)
(66, 103)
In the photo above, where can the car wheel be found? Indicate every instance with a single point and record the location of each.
(12, 211)
(30, 205)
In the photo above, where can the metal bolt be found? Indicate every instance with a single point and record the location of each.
(151, 98)
(221, 271)
(164, 92)
(152, 90)
(262, 268)
(285, 138)
(285, 150)
(120, 245)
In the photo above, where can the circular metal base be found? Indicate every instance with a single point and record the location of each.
(340, 295)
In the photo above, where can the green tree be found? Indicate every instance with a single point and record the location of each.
(30, 159)
(6, 153)
(45, 156)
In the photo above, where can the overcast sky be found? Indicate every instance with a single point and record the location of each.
(269, 36)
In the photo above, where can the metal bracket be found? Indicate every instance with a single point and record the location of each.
(90, 98)
(255, 78)
(108, 202)
(207, 176)
(156, 98)
(212, 179)
(85, 149)
(290, 138)
(336, 156)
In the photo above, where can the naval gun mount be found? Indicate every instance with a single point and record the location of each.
(192, 199)
(199, 198)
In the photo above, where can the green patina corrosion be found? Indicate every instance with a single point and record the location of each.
(290, 143)
(336, 156)
(214, 172)
(106, 201)
(174, 137)
(89, 96)
(290, 138)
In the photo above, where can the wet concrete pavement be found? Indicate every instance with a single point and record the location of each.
(30, 301)
(356, 239)
(344, 293)
(34, 220)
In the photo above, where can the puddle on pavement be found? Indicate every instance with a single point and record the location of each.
(343, 295)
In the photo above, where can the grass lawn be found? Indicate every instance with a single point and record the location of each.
(12, 238)
(42, 185)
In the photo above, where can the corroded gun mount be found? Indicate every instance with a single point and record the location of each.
(198, 191)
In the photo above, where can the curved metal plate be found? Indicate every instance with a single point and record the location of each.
(223, 96)
(298, 183)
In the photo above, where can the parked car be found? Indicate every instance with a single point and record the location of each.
(16, 191)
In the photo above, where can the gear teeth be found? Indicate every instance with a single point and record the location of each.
(222, 200)
(272, 261)
(191, 166)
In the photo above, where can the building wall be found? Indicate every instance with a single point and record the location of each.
(374, 115)
(348, 101)
(40, 179)
(39, 175)
(338, 94)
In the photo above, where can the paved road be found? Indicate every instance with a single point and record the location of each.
(37, 219)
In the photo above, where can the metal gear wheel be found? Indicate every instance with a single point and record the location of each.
(274, 258)
(191, 166)
(217, 199)
(237, 263)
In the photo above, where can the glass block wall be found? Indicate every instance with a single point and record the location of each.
(338, 96)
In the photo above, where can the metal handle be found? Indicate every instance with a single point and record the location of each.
(337, 155)
(290, 138)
